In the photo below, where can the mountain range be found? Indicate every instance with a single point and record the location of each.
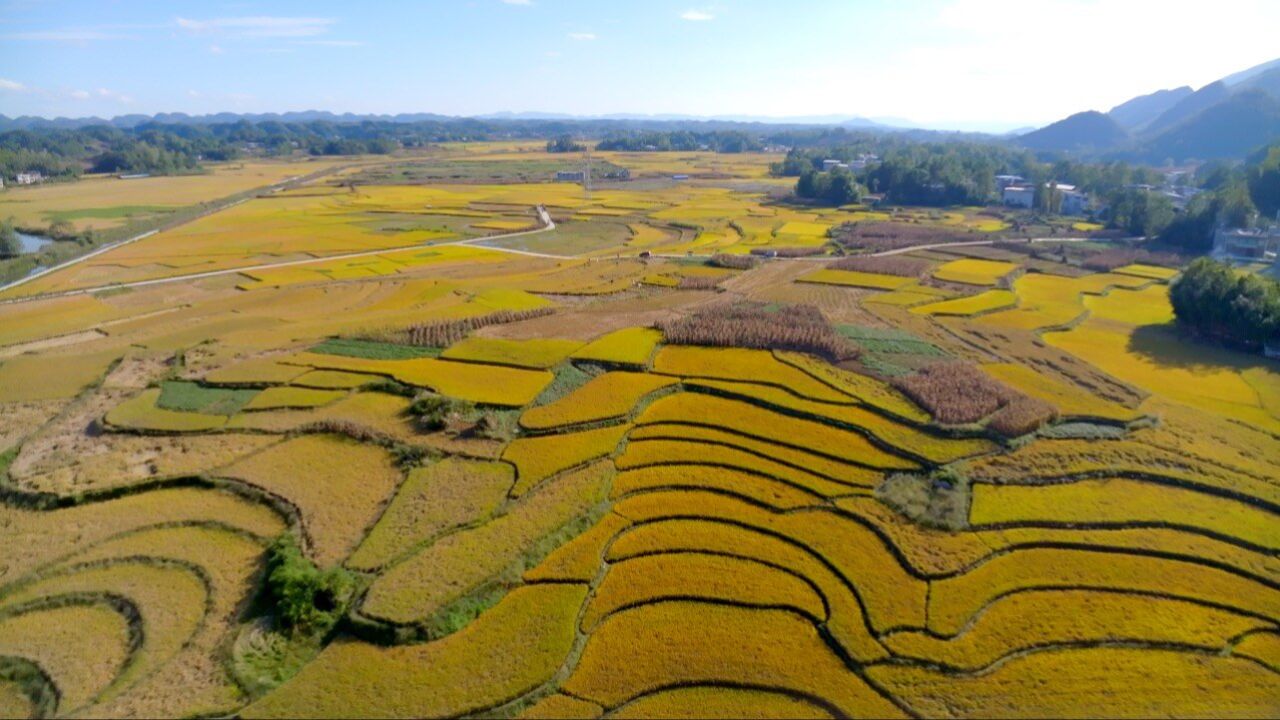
(1227, 118)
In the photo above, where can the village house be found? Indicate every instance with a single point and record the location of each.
(1248, 245)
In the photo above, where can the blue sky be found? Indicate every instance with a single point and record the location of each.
(962, 63)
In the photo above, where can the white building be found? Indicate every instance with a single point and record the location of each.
(1246, 245)
(1004, 181)
(1023, 196)
(1074, 202)
(29, 178)
(830, 164)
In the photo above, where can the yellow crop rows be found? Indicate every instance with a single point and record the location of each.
(604, 525)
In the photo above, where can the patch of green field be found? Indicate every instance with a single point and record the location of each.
(570, 237)
(192, 397)
(372, 349)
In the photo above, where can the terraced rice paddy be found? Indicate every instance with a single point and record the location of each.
(564, 515)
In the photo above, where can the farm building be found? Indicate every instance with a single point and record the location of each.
(1238, 244)
(29, 178)
(571, 176)
(1018, 196)
(1074, 202)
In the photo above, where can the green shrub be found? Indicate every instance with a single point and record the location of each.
(307, 600)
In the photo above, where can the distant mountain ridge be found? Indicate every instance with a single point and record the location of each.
(1224, 119)
(1082, 132)
(1143, 109)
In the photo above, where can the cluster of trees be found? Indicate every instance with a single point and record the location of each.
(10, 245)
(721, 141)
(1238, 196)
(835, 187)
(564, 144)
(1213, 300)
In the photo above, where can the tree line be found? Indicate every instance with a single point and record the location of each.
(729, 141)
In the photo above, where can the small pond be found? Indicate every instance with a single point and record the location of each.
(32, 243)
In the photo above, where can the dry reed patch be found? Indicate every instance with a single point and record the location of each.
(756, 325)
(955, 392)
(899, 265)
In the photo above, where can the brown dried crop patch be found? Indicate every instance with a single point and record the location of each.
(1022, 415)
(699, 283)
(801, 328)
(447, 332)
(880, 236)
(891, 265)
(959, 393)
(790, 252)
(1089, 258)
(732, 262)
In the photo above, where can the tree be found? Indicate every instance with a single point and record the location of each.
(1140, 212)
(564, 144)
(1263, 178)
(10, 245)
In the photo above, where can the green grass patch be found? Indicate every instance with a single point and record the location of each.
(192, 397)
(373, 349)
(889, 340)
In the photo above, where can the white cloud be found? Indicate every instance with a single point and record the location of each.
(112, 95)
(259, 26)
(331, 43)
(582, 36)
(696, 15)
(216, 49)
(71, 35)
(525, 3)
(12, 85)
(193, 93)
(79, 94)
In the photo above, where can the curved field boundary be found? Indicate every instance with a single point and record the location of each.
(649, 596)
(42, 695)
(817, 704)
(116, 603)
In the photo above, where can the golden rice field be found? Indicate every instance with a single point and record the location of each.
(562, 515)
